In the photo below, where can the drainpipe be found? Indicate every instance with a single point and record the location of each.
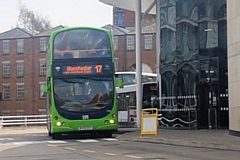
(33, 90)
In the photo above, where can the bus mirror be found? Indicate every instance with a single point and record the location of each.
(120, 83)
(46, 88)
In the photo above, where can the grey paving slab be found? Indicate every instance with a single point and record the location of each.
(217, 139)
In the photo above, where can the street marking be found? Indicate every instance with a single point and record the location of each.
(51, 145)
(88, 140)
(6, 139)
(4, 143)
(7, 147)
(110, 139)
(69, 148)
(23, 143)
(56, 142)
(89, 151)
(111, 154)
(133, 157)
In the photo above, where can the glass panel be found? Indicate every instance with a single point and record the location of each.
(83, 95)
(81, 43)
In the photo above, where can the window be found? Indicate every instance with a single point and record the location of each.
(19, 112)
(6, 68)
(115, 42)
(6, 47)
(42, 111)
(148, 41)
(120, 18)
(42, 93)
(5, 113)
(6, 91)
(43, 44)
(116, 64)
(130, 42)
(20, 46)
(20, 68)
(20, 91)
(42, 67)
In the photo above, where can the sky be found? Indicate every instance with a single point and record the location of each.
(60, 12)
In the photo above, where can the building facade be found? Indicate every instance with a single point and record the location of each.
(124, 45)
(193, 64)
(126, 19)
(23, 66)
(233, 16)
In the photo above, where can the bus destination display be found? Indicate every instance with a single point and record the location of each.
(86, 69)
(82, 69)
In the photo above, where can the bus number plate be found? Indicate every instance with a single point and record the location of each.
(85, 128)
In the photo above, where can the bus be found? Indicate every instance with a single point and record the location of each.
(129, 78)
(81, 83)
(127, 100)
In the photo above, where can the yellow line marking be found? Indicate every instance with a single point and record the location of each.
(133, 157)
(89, 151)
(111, 154)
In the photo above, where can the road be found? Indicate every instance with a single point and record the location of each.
(38, 146)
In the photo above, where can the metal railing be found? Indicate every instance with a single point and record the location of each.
(22, 120)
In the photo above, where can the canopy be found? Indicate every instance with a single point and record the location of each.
(131, 4)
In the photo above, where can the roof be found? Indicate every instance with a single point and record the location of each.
(147, 29)
(48, 32)
(117, 31)
(15, 33)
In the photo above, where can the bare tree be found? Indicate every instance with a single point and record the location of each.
(31, 20)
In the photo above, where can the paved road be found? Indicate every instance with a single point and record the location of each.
(38, 146)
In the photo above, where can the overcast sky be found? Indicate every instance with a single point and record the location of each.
(60, 12)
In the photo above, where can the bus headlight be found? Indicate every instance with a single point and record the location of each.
(58, 123)
(113, 115)
(111, 121)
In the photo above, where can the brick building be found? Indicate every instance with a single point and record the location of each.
(23, 66)
(124, 43)
(126, 19)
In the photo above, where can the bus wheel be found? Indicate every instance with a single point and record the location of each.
(56, 136)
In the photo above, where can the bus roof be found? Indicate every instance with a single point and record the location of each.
(130, 88)
(131, 72)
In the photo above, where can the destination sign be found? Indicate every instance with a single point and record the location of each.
(82, 69)
(87, 69)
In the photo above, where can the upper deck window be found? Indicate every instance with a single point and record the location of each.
(81, 43)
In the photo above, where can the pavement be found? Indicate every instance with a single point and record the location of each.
(213, 139)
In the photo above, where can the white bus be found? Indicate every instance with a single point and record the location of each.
(127, 100)
(130, 77)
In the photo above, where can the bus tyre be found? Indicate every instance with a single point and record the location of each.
(49, 134)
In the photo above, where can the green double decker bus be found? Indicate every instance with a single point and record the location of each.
(80, 82)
